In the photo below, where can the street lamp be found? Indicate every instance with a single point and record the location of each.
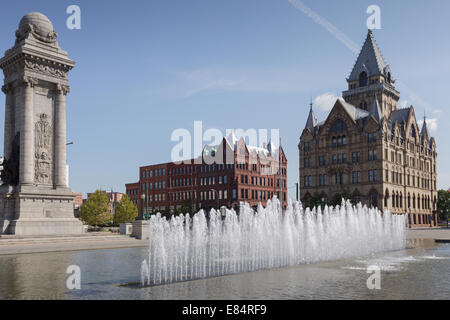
(223, 212)
(143, 199)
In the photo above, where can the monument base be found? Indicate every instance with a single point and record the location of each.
(37, 211)
(45, 226)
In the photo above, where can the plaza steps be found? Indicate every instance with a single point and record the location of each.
(10, 244)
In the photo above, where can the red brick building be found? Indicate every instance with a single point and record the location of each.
(225, 175)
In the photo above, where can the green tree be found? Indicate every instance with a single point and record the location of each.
(337, 199)
(443, 204)
(186, 206)
(95, 211)
(125, 212)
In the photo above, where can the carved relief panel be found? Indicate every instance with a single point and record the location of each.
(43, 150)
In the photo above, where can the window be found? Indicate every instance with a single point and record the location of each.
(373, 175)
(363, 79)
(322, 179)
(373, 200)
(307, 162)
(307, 181)
(339, 178)
(306, 146)
(356, 157)
(356, 177)
(338, 127)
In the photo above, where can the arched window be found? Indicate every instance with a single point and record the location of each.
(374, 200)
(363, 79)
(386, 197)
(338, 127)
(412, 132)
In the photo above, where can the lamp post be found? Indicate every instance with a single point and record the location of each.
(143, 202)
(223, 212)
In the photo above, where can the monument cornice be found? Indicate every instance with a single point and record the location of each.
(40, 64)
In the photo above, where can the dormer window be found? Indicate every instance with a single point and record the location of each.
(412, 132)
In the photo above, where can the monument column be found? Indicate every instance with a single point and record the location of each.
(26, 170)
(7, 90)
(35, 198)
(60, 136)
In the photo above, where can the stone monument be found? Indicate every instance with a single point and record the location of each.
(35, 198)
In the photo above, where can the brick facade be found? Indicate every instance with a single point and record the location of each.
(244, 173)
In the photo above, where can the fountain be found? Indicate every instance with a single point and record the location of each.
(185, 248)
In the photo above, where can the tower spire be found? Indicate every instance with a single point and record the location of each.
(312, 121)
(424, 131)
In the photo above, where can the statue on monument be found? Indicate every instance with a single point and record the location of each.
(10, 172)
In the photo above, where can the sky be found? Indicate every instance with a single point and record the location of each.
(147, 68)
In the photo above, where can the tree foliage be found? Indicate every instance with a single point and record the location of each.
(95, 211)
(443, 205)
(126, 211)
(186, 207)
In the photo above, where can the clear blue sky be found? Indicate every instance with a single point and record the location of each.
(146, 68)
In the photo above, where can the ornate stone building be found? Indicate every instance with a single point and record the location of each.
(370, 150)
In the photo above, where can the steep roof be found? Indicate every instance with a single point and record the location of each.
(400, 115)
(312, 121)
(369, 60)
(375, 109)
(233, 141)
(354, 112)
(424, 132)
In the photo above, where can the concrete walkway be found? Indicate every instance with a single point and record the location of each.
(90, 241)
(434, 234)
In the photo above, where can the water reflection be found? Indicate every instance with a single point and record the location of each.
(418, 273)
